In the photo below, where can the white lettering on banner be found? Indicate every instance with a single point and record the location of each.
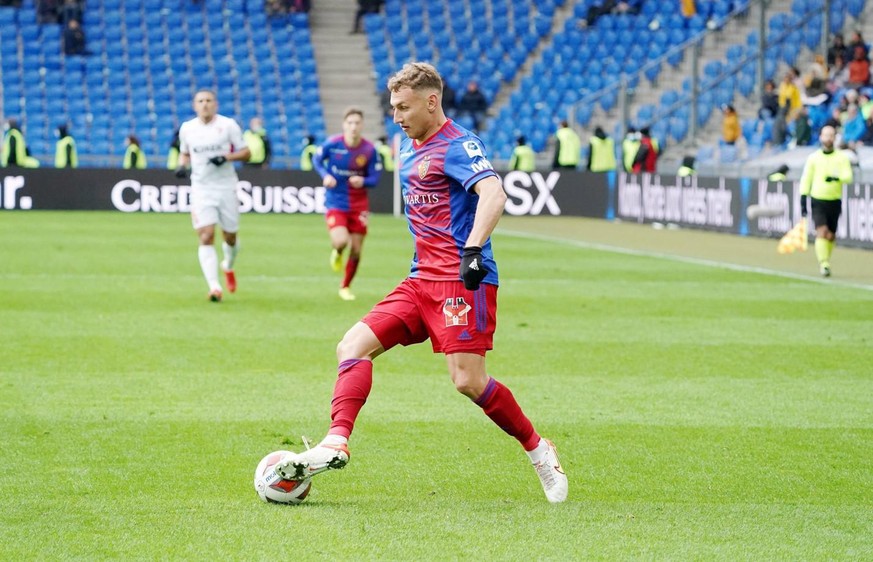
(150, 198)
(859, 213)
(648, 199)
(9, 187)
(130, 196)
(520, 200)
(778, 200)
(279, 199)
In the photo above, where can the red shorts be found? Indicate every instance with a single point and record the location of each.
(456, 320)
(354, 221)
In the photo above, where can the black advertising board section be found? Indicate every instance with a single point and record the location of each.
(711, 203)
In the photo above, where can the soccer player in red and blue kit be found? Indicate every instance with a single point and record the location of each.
(348, 164)
(453, 202)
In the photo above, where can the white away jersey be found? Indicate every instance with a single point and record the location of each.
(202, 141)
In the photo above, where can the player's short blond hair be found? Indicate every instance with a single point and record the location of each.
(417, 76)
(353, 111)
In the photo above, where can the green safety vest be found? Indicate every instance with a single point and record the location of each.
(387, 158)
(173, 158)
(523, 159)
(820, 166)
(61, 160)
(306, 157)
(602, 156)
(685, 171)
(776, 176)
(20, 148)
(629, 149)
(570, 147)
(257, 147)
(128, 157)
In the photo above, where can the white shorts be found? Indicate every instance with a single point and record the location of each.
(213, 206)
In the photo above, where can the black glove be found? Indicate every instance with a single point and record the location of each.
(181, 172)
(803, 205)
(832, 178)
(218, 160)
(472, 269)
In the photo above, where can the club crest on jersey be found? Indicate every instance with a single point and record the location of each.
(423, 167)
(473, 150)
(456, 310)
(360, 160)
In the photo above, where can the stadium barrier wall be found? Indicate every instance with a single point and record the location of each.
(711, 203)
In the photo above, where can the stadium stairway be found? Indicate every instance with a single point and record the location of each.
(345, 70)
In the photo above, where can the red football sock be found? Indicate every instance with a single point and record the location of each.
(351, 269)
(353, 384)
(499, 404)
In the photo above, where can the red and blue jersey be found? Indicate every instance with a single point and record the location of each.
(336, 158)
(437, 177)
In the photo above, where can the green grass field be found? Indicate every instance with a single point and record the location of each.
(701, 413)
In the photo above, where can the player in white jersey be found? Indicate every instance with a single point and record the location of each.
(209, 143)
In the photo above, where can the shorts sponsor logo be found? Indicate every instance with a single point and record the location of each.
(456, 310)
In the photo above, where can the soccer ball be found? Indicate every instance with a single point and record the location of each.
(273, 489)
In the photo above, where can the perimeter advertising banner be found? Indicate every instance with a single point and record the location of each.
(711, 203)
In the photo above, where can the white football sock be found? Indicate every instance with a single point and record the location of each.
(539, 452)
(209, 264)
(332, 439)
(230, 253)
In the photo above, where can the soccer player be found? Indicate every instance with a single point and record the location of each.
(453, 202)
(209, 143)
(824, 174)
(348, 164)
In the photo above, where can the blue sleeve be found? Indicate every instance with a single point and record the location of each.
(318, 160)
(466, 162)
(374, 169)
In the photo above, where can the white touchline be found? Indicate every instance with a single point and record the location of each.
(683, 259)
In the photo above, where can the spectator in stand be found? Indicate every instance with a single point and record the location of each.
(857, 41)
(11, 3)
(859, 69)
(789, 96)
(299, 6)
(769, 101)
(730, 125)
(802, 128)
(815, 81)
(474, 104)
(838, 74)
(449, 102)
(865, 105)
(610, 7)
(71, 10)
(647, 156)
(385, 104)
(867, 138)
(853, 128)
(74, 39)
(364, 7)
(837, 49)
(47, 11)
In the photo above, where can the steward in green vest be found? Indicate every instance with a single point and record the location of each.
(568, 146)
(523, 159)
(629, 148)
(308, 152)
(134, 157)
(65, 150)
(173, 153)
(687, 167)
(779, 174)
(15, 151)
(601, 152)
(259, 144)
(386, 155)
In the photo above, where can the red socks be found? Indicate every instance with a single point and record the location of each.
(353, 384)
(499, 404)
(351, 269)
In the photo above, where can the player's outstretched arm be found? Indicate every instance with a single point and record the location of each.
(492, 200)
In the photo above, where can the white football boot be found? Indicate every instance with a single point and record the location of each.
(552, 475)
(300, 466)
